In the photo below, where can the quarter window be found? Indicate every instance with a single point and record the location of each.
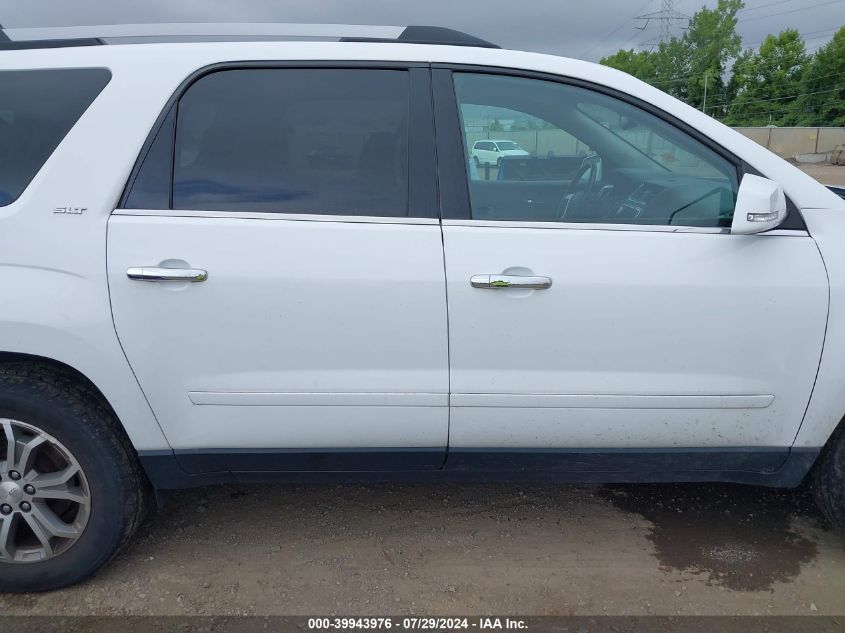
(37, 110)
(321, 141)
(569, 154)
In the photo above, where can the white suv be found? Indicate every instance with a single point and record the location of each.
(222, 262)
(492, 152)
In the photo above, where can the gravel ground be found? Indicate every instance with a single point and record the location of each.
(827, 174)
(469, 549)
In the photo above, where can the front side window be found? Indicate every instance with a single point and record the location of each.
(37, 110)
(570, 154)
(317, 141)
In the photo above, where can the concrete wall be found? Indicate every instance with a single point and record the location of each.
(783, 141)
(789, 141)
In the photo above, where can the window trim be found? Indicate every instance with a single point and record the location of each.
(264, 215)
(422, 176)
(457, 199)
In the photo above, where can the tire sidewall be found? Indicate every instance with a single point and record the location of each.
(69, 424)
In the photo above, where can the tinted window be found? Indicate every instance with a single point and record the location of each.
(590, 158)
(37, 109)
(151, 187)
(321, 141)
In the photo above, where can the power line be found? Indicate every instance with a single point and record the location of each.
(832, 29)
(735, 99)
(804, 36)
(796, 96)
(616, 30)
(778, 64)
(771, 15)
(764, 6)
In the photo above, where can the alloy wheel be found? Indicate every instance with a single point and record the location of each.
(45, 500)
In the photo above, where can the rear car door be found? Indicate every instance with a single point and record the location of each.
(276, 271)
(624, 319)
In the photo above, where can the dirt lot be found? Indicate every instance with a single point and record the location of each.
(827, 174)
(472, 549)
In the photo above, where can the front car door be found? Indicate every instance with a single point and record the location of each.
(313, 334)
(623, 320)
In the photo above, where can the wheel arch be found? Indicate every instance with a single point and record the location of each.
(137, 422)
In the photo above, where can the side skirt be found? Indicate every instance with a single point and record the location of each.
(774, 467)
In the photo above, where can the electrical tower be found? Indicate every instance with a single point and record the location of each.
(665, 19)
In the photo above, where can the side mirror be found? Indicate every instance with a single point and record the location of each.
(760, 206)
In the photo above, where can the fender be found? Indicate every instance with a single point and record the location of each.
(827, 403)
(107, 369)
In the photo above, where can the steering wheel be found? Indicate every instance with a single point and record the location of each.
(576, 192)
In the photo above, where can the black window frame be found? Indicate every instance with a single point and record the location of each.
(452, 174)
(422, 175)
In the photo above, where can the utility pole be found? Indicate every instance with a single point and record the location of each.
(704, 105)
(665, 19)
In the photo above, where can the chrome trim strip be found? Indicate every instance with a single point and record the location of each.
(293, 217)
(588, 226)
(295, 399)
(610, 401)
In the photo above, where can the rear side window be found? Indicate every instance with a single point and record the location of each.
(321, 141)
(37, 110)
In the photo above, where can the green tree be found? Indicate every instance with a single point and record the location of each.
(713, 43)
(764, 83)
(823, 86)
(636, 63)
(684, 66)
(666, 67)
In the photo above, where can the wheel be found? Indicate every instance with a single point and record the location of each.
(828, 478)
(477, 162)
(71, 490)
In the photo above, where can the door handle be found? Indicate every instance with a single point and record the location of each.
(151, 273)
(510, 281)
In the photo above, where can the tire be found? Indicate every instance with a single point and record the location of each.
(828, 478)
(38, 397)
(477, 162)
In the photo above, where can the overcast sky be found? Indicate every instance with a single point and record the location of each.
(587, 29)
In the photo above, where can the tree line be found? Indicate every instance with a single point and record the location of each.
(778, 83)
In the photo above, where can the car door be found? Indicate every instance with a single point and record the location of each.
(630, 323)
(283, 302)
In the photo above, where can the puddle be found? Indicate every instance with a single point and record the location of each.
(738, 536)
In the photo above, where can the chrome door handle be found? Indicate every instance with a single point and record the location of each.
(151, 273)
(510, 281)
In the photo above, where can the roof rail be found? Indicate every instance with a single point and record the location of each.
(431, 35)
(66, 36)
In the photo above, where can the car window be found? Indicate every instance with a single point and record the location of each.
(322, 141)
(151, 187)
(576, 155)
(37, 110)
